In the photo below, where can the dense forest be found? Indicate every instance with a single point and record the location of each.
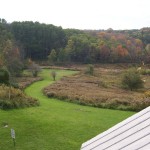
(22, 40)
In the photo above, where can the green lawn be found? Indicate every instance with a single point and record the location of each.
(54, 125)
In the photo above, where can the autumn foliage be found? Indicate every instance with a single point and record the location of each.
(57, 45)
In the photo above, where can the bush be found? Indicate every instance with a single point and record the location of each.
(90, 69)
(15, 67)
(51, 94)
(4, 76)
(16, 99)
(34, 69)
(53, 74)
(132, 80)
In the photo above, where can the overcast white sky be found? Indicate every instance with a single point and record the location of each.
(80, 14)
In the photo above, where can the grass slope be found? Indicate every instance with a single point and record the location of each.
(55, 125)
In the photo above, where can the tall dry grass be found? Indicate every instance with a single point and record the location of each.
(14, 98)
(103, 89)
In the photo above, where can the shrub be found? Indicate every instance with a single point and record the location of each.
(17, 99)
(53, 74)
(34, 69)
(15, 67)
(4, 76)
(90, 69)
(132, 80)
(51, 94)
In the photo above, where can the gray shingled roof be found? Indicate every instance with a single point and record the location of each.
(130, 134)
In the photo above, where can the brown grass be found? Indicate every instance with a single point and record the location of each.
(11, 98)
(101, 90)
(23, 82)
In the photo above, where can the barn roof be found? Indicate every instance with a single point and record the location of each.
(130, 134)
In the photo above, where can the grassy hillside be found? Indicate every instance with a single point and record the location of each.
(54, 125)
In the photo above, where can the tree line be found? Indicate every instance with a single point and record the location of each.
(22, 40)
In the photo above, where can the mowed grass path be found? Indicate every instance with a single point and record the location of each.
(54, 125)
